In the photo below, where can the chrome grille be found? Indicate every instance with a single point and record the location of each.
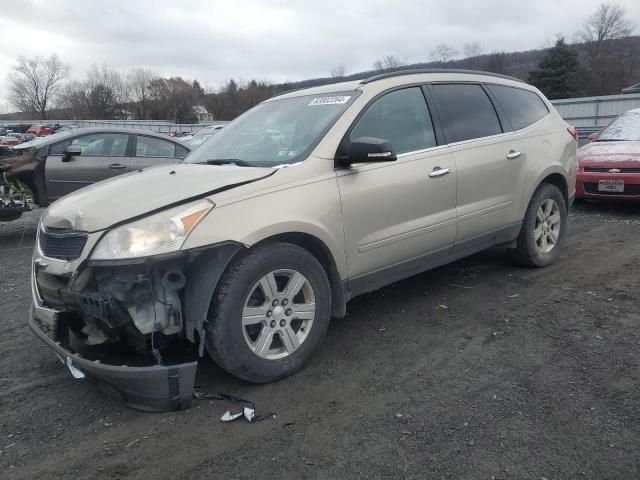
(61, 244)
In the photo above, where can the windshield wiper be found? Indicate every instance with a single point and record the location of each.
(612, 140)
(229, 161)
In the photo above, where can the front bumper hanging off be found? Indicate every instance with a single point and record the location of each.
(156, 388)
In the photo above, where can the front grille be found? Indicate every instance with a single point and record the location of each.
(62, 244)
(630, 189)
(606, 170)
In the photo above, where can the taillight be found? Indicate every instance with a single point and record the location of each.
(573, 132)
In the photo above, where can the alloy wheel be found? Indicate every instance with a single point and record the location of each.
(278, 314)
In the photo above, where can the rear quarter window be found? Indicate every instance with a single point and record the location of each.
(522, 107)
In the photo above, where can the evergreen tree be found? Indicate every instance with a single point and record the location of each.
(556, 75)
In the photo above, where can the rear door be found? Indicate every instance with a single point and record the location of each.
(104, 155)
(149, 151)
(490, 162)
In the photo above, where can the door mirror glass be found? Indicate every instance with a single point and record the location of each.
(370, 149)
(71, 151)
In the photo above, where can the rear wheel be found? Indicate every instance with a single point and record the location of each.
(269, 314)
(543, 229)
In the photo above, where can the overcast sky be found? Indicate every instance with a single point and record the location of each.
(273, 40)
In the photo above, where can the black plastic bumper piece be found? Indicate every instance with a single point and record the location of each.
(155, 388)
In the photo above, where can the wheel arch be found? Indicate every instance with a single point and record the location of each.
(321, 251)
(553, 177)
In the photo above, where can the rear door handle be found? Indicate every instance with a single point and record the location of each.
(512, 155)
(438, 172)
(117, 166)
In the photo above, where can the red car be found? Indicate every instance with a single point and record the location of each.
(609, 166)
(40, 130)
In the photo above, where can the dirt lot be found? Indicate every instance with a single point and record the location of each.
(477, 370)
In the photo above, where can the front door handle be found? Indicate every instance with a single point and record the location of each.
(512, 155)
(117, 166)
(438, 172)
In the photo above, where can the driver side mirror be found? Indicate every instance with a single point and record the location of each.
(70, 152)
(593, 136)
(370, 149)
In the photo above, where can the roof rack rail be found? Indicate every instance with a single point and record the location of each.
(398, 73)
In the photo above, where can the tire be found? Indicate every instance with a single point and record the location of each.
(243, 314)
(533, 247)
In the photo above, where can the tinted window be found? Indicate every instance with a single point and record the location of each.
(402, 118)
(155, 147)
(466, 112)
(523, 108)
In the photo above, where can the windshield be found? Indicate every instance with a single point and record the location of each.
(276, 132)
(625, 127)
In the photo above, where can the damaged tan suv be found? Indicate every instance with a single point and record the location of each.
(247, 247)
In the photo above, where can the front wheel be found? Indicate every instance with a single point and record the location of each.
(543, 229)
(269, 314)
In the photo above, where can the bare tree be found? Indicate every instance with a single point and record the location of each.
(608, 22)
(389, 62)
(443, 52)
(138, 81)
(472, 49)
(35, 82)
(599, 32)
(106, 92)
(338, 71)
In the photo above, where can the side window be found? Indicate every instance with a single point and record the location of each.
(103, 144)
(181, 152)
(155, 147)
(465, 111)
(402, 118)
(523, 108)
(60, 147)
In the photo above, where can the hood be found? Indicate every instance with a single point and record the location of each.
(614, 154)
(135, 194)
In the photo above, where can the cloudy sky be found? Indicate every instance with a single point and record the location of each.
(273, 40)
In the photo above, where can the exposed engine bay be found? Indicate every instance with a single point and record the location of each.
(138, 305)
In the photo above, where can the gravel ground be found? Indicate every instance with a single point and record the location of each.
(480, 369)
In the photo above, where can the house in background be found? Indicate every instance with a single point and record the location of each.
(203, 114)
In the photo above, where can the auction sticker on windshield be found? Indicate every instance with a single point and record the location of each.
(335, 100)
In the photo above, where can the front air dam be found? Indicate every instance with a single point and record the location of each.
(156, 388)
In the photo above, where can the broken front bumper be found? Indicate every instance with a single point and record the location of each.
(156, 388)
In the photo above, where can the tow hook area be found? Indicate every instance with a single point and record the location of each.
(154, 388)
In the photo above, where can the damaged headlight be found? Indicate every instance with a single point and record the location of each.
(161, 233)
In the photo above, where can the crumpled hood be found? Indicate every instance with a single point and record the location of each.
(121, 198)
(609, 154)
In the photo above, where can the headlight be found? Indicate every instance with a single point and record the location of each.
(161, 233)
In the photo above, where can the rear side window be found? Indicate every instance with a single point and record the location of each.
(523, 108)
(401, 117)
(155, 147)
(466, 112)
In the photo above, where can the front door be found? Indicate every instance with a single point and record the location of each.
(104, 155)
(397, 214)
